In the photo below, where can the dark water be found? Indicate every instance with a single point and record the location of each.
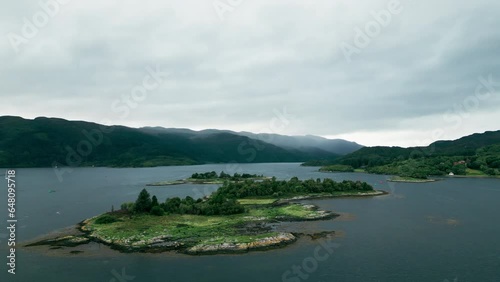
(443, 231)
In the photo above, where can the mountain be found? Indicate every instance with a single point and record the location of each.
(380, 155)
(307, 143)
(477, 154)
(45, 142)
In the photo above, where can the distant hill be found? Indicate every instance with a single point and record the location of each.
(380, 155)
(477, 154)
(307, 143)
(45, 142)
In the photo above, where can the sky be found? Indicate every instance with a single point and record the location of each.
(390, 72)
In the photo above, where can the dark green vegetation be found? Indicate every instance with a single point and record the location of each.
(215, 205)
(337, 168)
(474, 155)
(272, 188)
(210, 178)
(225, 200)
(46, 142)
(225, 176)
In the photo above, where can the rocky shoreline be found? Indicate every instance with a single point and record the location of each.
(358, 194)
(166, 243)
(281, 240)
(257, 230)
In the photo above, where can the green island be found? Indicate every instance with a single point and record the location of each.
(210, 178)
(240, 216)
(410, 179)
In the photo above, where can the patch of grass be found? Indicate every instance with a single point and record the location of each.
(292, 211)
(105, 219)
(474, 172)
(196, 228)
(238, 238)
(256, 201)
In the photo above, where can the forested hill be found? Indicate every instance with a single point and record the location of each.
(45, 142)
(474, 154)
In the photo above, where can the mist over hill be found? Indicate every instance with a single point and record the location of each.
(46, 142)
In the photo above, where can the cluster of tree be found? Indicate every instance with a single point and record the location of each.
(438, 165)
(212, 206)
(223, 175)
(206, 175)
(337, 168)
(478, 152)
(224, 200)
(487, 160)
(292, 187)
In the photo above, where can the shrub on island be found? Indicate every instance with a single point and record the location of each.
(106, 219)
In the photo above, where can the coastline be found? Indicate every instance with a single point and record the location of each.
(402, 180)
(473, 176)
(254, 230)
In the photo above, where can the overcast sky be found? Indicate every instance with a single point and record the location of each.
(426, 70)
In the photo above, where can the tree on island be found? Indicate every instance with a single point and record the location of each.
(157, 210)
(154, 202)
(143, 202)
(224, 201)
(224, 175)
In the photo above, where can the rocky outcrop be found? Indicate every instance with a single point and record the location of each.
(65, 241)
(281, 239)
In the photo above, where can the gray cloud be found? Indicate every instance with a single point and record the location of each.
(263, 57)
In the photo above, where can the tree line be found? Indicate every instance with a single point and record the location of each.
(224, 201)
(223, 175)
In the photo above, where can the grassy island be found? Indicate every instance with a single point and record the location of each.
(239, 217)
(410, 179)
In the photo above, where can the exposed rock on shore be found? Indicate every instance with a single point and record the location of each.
(281, 239)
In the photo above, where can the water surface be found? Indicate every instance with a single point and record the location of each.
(443, 231)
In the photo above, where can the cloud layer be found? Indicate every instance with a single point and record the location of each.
(237, 64)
